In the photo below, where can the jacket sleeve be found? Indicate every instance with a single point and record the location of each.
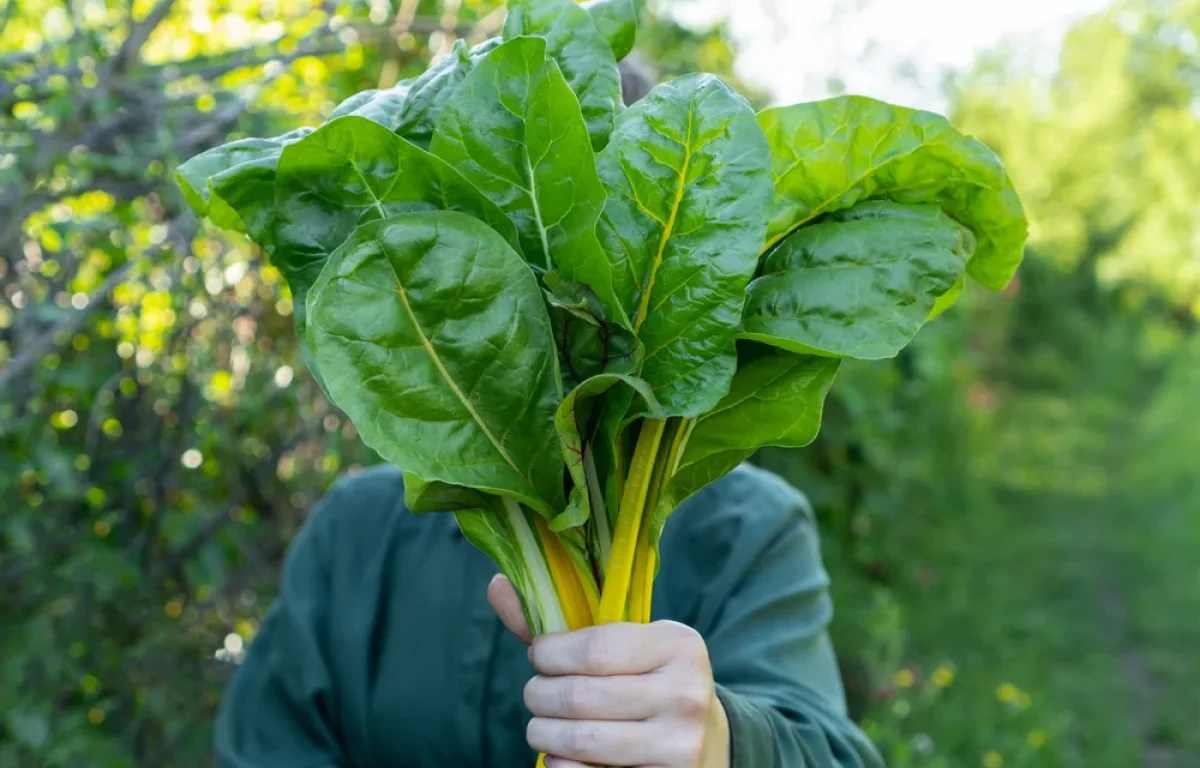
(278, 708)
(766, 619)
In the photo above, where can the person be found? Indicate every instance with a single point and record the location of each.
(394, 644)
(382, 650)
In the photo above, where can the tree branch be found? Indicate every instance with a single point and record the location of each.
(68, 325)
(139, 33)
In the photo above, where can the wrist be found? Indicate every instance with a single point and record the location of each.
(717, 753)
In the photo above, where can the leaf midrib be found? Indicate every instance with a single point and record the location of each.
(644, 304)
(441, 368)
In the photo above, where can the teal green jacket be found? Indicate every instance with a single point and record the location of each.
(382, 651)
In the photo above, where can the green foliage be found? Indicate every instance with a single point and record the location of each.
(464, 398)
(688, 194)
(803, 301)
(431, 333)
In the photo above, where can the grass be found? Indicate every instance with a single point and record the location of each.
(1061, 587)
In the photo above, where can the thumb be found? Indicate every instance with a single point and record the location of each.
(507, 606)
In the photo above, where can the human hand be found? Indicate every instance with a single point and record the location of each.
(619, 694)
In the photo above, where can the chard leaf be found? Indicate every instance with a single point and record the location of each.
(578, 419)
(505, 533)
(382, 106)
(350, 171)
(582, 53)
(776, 399)
(514, 129)
(617, 21)
(234, 184)
(949, 298)
(432, 336)
(429, 93)
(828, 155)
(589, 344)
(859, 283)
(689, 197)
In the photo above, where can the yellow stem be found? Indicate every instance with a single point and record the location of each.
(571, 593)
(619, 573)
(645, 559)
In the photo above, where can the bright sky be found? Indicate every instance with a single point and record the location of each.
(897, 50)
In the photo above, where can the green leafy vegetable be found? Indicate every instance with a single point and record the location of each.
(829, 155)
(859, 283)
(351, 171)
(234, 184)
(561, 319)
(617, 21)
(431, 334)
(689, 196)
(582, 53)
(515, 130)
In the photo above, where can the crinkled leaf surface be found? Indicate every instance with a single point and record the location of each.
(776, 399)
(689, 197)
(582, 53)
(617, 21)
(429, 93)
(382, 106)
(350, 171)
(859, 283)
(433, 337)
(514, 129)
(233, 184)
(828, 155)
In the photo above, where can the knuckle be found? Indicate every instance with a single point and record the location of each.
(691, 701)
(583, 740)
(594, 651)
(576, 695)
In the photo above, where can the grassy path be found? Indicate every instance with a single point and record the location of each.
(1067, 595)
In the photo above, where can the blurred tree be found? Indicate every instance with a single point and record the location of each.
(160, 440)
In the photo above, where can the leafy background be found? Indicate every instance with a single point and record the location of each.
(1011, 508)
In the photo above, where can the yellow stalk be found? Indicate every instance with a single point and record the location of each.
(619, 573)
(643, 579)
(645, 559)
(572, 595)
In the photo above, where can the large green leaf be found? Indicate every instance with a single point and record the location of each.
(776, 399)
(350, 171)
(859, 283)
(233, 184)
(433, 337)
(828, 155)
(617, 21)
(515, 130)
(582, 53)
(689, 197)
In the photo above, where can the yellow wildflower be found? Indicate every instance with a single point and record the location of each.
(1036, 739)
(943, 676)
(904, 678)
(992, 759)
(1008, 693)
